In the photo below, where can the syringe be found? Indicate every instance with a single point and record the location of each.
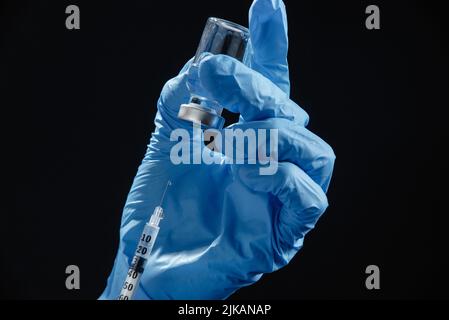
(146, 243)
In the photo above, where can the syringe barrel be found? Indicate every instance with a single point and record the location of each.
(146, 241)
(144, 248)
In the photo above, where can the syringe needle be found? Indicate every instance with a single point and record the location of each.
(169, 183)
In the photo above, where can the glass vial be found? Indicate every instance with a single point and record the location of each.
(219, 37)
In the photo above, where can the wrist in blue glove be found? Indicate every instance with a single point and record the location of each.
(225, 224)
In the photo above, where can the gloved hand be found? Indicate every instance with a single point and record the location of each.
(226, 225)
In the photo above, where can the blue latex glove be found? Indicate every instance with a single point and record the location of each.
(225, 225)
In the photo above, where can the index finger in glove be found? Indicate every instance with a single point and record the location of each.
(243, 90)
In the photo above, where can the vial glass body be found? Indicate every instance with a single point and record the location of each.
(219, 37)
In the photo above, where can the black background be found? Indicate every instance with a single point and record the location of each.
(78, 109)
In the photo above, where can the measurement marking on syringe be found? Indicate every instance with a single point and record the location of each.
(143, 250)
